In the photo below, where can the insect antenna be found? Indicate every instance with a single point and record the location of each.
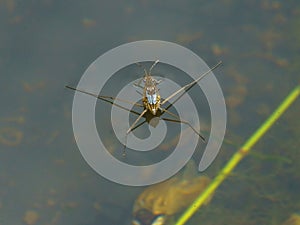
(153, 65)
(138, 84)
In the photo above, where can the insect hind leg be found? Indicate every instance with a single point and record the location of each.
(181, 121)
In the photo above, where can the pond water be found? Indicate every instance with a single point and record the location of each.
(47, 44)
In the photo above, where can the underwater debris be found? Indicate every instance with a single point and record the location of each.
(187, 38)
(51, 202)
(31, 217)
(15, 119)
(88, 23)
(10, 136)
(294, 219)
(160, 202)
(52, 137)
(10, 5)
(32, 87)
(217, 50)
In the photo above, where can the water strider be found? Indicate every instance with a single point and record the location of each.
(152, 101)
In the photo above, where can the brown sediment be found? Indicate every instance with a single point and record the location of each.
(280, 62)
(270, 5)
(268, 56)
(186, 38)
(88, 23)
(280, 19)
(53, 137)
(234, 117)
(170, 144)
(10, 136)
(173, 142)
(70, 205)
(239, 91)
(294, 219)
(52, 191)
(56, 217)
(233, 101)
(237, 76)
(97, 206)
(59, 161)
(263, 109)
(16, 20)
(217, 50)
(236, 96)
(9, 4)
(171, 196)
(51, 202)
(31, 87)
(270, 39)
(31, 217)
(129, 10)
(15, 119)
(67, 111)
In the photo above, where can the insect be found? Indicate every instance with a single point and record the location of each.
(160, 203)
(152, 101)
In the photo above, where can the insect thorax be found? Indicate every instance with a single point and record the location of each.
(151, 97)
(152, 102)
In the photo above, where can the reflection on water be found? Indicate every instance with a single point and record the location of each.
(47, 44)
